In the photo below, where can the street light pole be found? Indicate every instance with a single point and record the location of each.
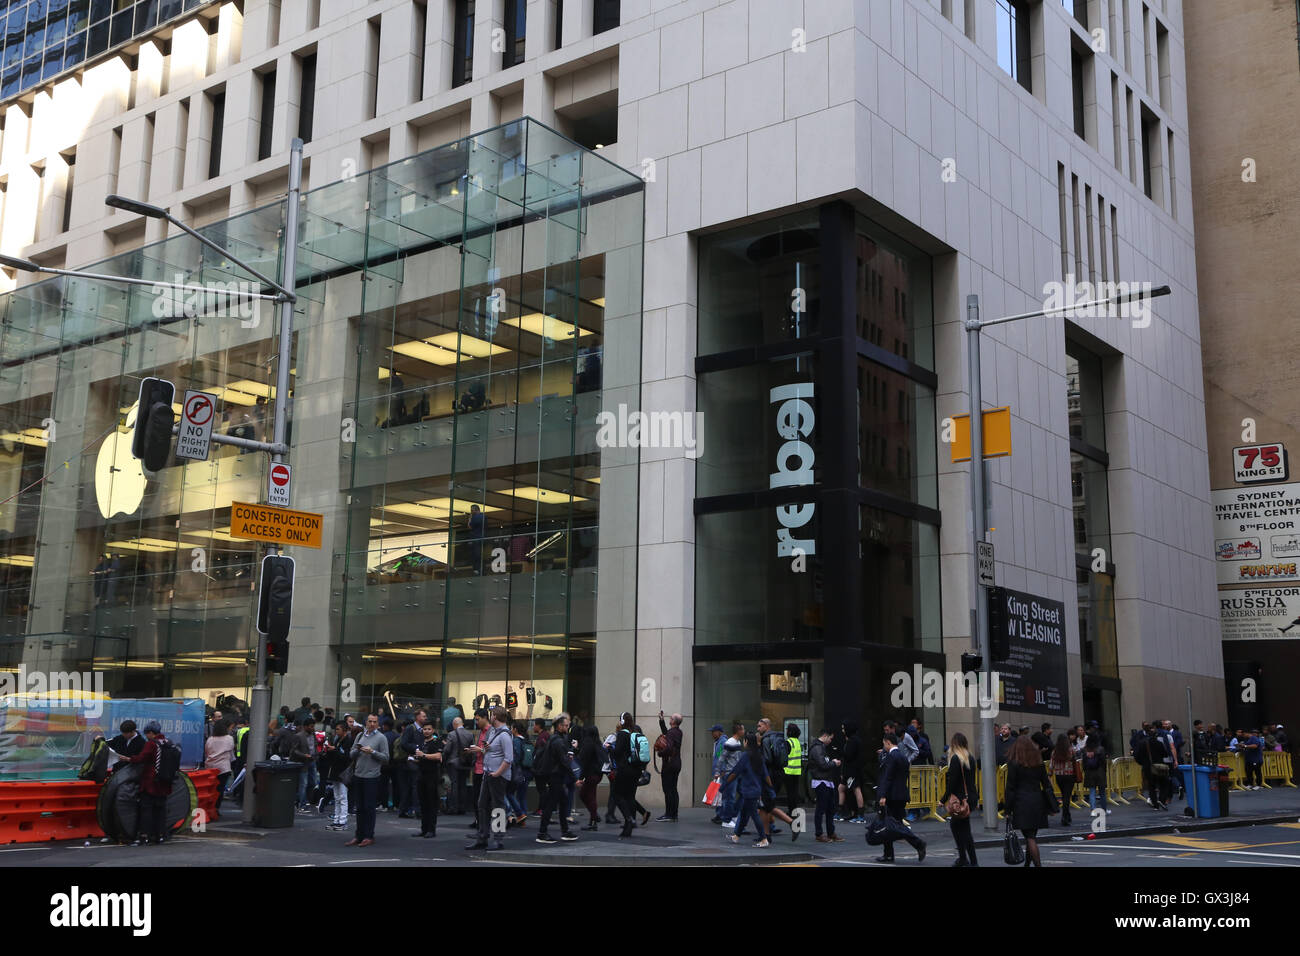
(260, 702)
(979, 520)
(979, 526)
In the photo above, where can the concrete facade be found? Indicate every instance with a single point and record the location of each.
(735, 111)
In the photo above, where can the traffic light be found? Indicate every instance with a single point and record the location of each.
(971, 663)
(275, 609)
(999, 643)
(152, 440)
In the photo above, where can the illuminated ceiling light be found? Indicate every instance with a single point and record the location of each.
(412, 651)
(249, 387)
(384, 373)
(19, 560)
(548, 327)
(600, 302)
(544, 495)
(467, 345)
(435, 508)
(219, 534)
(425, 352)
(147, 545)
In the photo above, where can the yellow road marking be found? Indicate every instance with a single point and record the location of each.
(1202, 843)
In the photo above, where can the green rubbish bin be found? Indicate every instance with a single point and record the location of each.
(275, 793)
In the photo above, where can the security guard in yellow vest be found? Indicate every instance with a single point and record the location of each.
(793, 767)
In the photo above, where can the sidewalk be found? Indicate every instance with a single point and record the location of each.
(695, 841)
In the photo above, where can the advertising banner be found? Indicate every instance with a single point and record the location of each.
(1035, 675)
(1257, 534)
(1260, 614)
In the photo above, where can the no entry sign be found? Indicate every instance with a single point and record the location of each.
(277, 488)
(197, 415)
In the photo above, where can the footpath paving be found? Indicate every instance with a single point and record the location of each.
(695, 841)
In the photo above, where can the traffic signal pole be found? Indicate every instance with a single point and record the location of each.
(260, 702)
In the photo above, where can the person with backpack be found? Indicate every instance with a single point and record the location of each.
(521, 772)
(541, 738)
(553, 763)
(774, 748)
(631, 755)
(454, 754)
(751, 775)
(161, 761)
(1094, 763)
(851, 775)
(671, 769)
(1061, 764)
(497, 752)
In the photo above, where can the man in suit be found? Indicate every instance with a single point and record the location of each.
(892, 792)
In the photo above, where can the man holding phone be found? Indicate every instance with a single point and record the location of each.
(370, 753)
(498, 751)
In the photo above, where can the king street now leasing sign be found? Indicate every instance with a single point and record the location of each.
(1257, 534)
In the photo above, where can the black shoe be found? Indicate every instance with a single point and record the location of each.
(430, 835)
(920, 853)
(884, 859)
(544, 838)
(624, 834)
(479, 845)
(776, 830)
(420, 834)
(568, 837)
(645, 818)
(590, 826)
(496, 846)
(960, 863)
(610, 818)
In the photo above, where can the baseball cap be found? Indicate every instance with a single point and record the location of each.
(719, 727)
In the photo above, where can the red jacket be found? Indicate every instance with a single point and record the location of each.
(151, 757)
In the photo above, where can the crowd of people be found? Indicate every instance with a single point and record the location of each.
(483, 766)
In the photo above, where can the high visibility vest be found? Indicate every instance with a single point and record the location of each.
(794, 764)
(239, 739)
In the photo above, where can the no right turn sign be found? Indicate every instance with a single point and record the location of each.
(197, 415)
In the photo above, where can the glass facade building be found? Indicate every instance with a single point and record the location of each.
(453, 316)
(817, 558)
(44, 38)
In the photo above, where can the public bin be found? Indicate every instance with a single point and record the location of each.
(1225, 783)
(275, 793)
(1206, 795)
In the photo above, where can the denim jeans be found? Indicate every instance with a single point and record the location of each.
(1092, 797)
(729, 805)
(748, 811)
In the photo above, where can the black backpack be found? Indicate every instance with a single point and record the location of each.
(169, 765)
(543, 761)
(95, 766)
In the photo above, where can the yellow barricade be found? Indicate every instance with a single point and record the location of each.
(924, 789)
(1002, 788)
(1125, 774)
(1236, 769)
(1277, 766)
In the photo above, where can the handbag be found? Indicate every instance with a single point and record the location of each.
(959, 807)
(1013, 854)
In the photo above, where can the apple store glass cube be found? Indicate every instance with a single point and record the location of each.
(463, 317)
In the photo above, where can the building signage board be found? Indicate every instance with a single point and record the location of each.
(790, 682)
(1035, 676)
(275, 525)
(1260, 614)
(1257, 463)
(1257, 534)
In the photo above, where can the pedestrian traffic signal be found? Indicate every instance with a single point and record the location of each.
(277, 656)
(151, 441)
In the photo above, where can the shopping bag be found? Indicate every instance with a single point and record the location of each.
(711, 794)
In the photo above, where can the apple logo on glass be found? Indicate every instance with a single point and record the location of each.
(119, 476)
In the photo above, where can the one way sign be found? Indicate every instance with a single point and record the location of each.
(197, 416)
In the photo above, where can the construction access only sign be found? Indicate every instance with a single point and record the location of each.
(194, 440)
(275, 525)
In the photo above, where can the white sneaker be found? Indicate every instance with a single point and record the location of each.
(729, 825)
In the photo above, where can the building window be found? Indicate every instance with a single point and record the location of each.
(462, 66)
(218, 101)
(71, 160)
(606, 16)
(1013, 39)
(267, 115)
(516, 31)
(1077, 9)
(1076, 84)
(1151, 182)
(307, 97)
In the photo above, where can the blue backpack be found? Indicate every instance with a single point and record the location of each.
(640, 748)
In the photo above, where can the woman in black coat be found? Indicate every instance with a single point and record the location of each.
(960, 782)
(1028, 797)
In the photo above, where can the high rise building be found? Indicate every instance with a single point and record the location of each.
(756, 222)
(1243, 99)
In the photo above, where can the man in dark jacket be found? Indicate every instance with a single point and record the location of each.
(671, 766)
(153, 792)
(1043, 739)
(823, 773)
(407, 777)
(457, 740)
(126, 744)
(552, 762)
(1003, 743)
(892, 792)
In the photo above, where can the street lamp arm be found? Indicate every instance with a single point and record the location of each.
(1112, 300)
(157, 212)
(125, 280)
